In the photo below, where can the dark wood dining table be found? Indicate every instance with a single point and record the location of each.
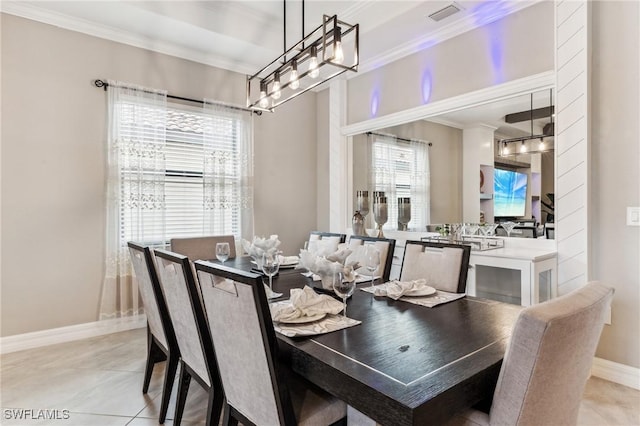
(405, 364)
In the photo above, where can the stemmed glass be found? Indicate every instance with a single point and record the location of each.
(371, 259)
(270, 267)
(508, 226)
(222, 252)
(470, 228)
(343, 289)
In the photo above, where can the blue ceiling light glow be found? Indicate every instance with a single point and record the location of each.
(497, 50)
(489, 11)
(426, 86)
(375, 103)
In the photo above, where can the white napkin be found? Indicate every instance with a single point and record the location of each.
(270, 293)
(305, 302)
(396, 289)
(289, 260)
(260, 246)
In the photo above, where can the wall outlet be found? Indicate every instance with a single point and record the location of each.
(633, 216)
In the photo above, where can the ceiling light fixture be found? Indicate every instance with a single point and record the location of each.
(548, 131)
(326, 52)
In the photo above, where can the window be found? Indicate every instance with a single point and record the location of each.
(199, 165)
(401, 170)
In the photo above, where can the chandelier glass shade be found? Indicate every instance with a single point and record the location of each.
(326, 52)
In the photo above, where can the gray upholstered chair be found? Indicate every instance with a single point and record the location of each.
(444, 266)
(385, 246)
(161, 338)
(175, 274)
(548, 361)
(202, 248)
(258, 389)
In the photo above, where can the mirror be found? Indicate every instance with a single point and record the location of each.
(453, 137)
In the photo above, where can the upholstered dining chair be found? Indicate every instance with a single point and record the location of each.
(194, 340)
(203, 248)
(385, 246)
(548, 361)
(161, 338)
(443, 265)
(259, 389)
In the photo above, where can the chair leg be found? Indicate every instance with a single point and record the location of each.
(150, 361)
(228, 419)
(214, 407)
(183, 389)
(169, 376)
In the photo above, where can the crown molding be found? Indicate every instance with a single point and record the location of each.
(35, 13)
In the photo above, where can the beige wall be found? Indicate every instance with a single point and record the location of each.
(53, 164)
(517, 46)
(615, 172)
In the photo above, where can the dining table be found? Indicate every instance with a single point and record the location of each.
(404, 364)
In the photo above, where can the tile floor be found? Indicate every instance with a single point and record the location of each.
(99, 382)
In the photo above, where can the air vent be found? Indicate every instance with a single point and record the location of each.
(445, 13)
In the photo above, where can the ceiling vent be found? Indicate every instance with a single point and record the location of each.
(445, 13)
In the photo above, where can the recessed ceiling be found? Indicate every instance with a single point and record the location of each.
(243, 36)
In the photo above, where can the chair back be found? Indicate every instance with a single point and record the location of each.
(325, 242)
(549, 357)
(385, 246)
(203, 248)
(245, 343)
(187, 315)
(443, 265)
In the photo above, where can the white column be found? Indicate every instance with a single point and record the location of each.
(572, 142)
(477, 149)
(338, 157)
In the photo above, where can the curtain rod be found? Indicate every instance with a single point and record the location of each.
(105, 85)
(399, 138)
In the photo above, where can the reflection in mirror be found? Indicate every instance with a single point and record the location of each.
(447, 165)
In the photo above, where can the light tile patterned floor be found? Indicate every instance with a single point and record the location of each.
(99, 382)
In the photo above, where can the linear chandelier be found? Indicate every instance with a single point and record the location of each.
(326, 52)
(527, 144)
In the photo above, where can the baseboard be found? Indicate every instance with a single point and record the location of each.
(70, 333)
(617, 373)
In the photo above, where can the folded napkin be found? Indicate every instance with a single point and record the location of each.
(396, 289)
(270, 293)
(289, 260)
(305, 302)
(259, 246)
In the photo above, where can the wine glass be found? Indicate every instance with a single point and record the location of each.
(270, 267)
(508, 226)
(470, 228)
(222, 252)
(343, 289)
(371, 259)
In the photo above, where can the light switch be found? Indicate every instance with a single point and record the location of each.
(633, 216)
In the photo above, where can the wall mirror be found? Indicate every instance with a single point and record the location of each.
(375, 164)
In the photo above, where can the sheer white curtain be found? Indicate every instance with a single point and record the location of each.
(401, 169)
(135, 188)
(228, 170)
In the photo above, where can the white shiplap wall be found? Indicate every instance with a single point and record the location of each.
(572, 142)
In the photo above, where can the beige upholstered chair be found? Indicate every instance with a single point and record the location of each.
(329, 241)
(176, 278)
(202, 248)
(258, 389)
(385, 246)
(444, 266)
(161, 338)
(548, 361)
